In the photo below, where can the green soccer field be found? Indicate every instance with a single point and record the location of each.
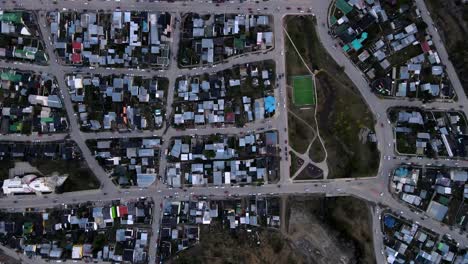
(304, 92)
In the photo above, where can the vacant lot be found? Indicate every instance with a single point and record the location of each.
(341, 112)
(331, 230)
(220, 245)
(451, 18)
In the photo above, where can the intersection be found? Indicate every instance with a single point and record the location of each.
(374, 190)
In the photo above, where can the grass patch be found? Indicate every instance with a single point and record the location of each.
(296, 163)
(309, 46)
(406, 144)
(342, 114)
(304, 90)
(80, 177)
(310, 172)
(300, 135)
(316, 152)
(5, 166)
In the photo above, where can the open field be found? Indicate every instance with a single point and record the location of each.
(451, 18)
(341, 112)
(304, 90)
(220, 245)
(331, 230)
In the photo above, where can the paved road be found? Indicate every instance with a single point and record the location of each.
(373, 189)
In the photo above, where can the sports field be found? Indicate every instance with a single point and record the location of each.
(304, 90)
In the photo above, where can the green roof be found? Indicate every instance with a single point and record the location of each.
(27, 228)
(15, 17)
(8, 76)
(16, 127)
(239, 43)
(113, 212)
(343, 6)
(24, 54)
(333, 20)
(47, 119)
(341, 28)
(444, 200)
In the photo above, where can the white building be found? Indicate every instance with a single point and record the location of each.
(32, 184)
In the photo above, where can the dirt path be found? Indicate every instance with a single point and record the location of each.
(316, 98)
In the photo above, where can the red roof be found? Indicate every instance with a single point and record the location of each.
(76, 58)
(230, 117)
(123, 210)
(76, 45)
(425, 46)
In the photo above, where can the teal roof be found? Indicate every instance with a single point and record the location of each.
(356, 44)
(363, 36)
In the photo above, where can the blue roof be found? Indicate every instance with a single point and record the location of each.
(271, 138)
(145, 180)
(389, 221)
(270, 104)
(401, 172)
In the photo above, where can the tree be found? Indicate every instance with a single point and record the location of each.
(99, 241)
(209, 153)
